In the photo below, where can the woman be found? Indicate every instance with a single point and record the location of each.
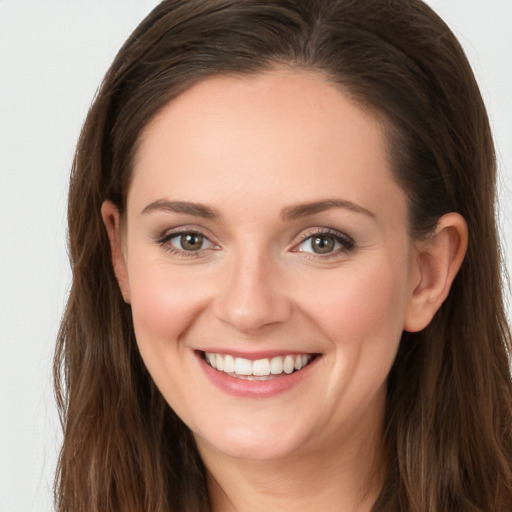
(286, 281)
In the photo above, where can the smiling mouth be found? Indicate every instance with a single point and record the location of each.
(259, 369)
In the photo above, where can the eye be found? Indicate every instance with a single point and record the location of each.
(185, 243)
(325, 243)
(190, 242)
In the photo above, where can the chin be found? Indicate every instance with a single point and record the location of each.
(253, 442)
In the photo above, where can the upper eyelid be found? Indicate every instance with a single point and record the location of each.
(325, 231)
(174, 232)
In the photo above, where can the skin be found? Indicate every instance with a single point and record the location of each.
(251, 149)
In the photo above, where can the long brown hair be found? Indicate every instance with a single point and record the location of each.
(449, 407)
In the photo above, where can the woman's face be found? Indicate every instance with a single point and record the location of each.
(268, 264)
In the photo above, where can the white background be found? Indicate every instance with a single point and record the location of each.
(53, 55)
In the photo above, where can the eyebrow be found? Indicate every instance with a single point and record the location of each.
(287, 214)
(196, 209)
(307, 209)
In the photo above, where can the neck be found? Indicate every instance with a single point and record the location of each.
(347, 478)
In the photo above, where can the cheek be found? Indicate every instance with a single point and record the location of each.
(351, 302)
(360, 312)
(164, 301)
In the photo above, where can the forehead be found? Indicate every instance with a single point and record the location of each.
(285, 134)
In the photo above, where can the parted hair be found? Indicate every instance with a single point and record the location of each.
(449, 404)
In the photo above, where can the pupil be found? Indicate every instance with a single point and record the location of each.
(322, 244)
(191, 242)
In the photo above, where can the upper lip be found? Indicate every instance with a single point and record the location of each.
(255, 355)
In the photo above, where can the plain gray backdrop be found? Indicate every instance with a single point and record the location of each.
(53, 55)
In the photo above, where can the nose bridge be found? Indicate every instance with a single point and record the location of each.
(251, 297)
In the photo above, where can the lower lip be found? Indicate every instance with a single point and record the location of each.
(255, 388)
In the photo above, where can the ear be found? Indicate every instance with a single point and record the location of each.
(438, 259)
(112, 221)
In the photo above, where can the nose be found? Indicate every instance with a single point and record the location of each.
(252, 298)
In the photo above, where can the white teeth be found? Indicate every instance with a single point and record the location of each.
(212, 359)
(261, 367)
(258, 369)
(276, 365)
(289, 364)
(229, 364)
(243, 366)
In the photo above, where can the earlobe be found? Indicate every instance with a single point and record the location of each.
(438, 259)
(112, 221)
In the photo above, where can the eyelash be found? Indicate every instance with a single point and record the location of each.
(175, 251)
(346, 242)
